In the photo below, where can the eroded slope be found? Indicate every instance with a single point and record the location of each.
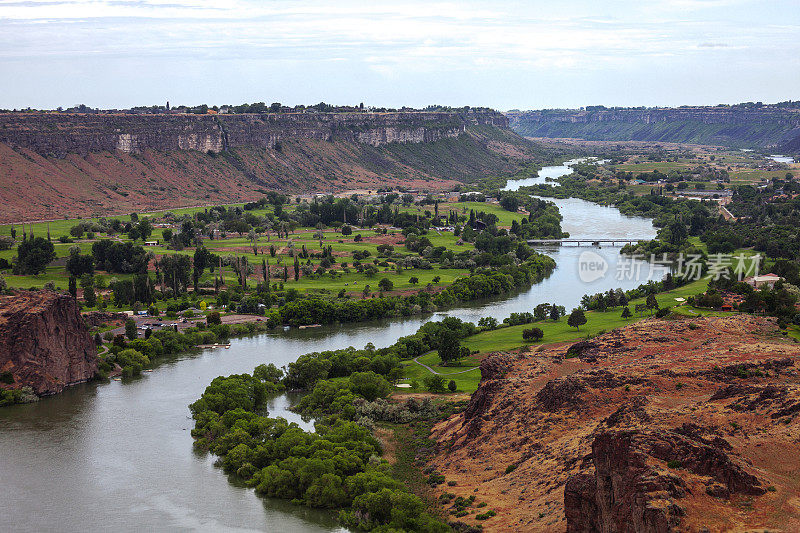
(663, 425)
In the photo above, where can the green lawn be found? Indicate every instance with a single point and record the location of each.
(510, 338)
(465, 381)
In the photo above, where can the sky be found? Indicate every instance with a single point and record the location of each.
(503, 54)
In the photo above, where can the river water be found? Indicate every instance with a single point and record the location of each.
(119, 456)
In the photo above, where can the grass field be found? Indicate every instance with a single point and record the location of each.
(510, 338)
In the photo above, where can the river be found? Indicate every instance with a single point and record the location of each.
(118, 456)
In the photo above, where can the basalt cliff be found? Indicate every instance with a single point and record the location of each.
(44, 343)
(767, 127)
(665, 425)
(68, 164)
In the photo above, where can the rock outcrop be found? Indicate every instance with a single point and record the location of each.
(59, 134)
(44, 343)
(664, 425)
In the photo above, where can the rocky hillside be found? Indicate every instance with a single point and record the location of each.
(56, 164)
(768, 127)
(44, 343)
(661, 426)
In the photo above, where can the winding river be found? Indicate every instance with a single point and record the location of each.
(119, 456)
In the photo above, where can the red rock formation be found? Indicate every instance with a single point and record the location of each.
(44, 342)
(664, 425)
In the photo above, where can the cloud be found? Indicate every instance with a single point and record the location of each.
(397, 40)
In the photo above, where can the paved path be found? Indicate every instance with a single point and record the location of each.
(432, 371)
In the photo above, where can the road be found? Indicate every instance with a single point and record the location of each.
(432, 371)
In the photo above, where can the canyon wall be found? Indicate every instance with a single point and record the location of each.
(59, 134)
(44, 343)
(766, 127)
(57, 165)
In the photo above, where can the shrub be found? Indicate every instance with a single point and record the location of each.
(213, 318)
(533, 334)
(510, 468)
(663, 312)
(452, 386)
(434, 383)
(369, 385)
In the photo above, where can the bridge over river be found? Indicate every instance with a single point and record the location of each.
(583, 242)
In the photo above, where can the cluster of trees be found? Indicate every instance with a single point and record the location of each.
(124, 258)
(33, 255)
(335, 467)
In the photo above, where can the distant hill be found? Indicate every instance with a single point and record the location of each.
(770, 127)
(55, 165)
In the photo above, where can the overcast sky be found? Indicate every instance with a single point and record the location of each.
(503, 54)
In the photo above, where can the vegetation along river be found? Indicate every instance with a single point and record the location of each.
(119, 456)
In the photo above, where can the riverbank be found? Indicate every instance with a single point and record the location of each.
(132, 437)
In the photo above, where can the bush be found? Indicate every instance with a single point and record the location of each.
(452, 386)
(532, 334)
(663, 312)
(434, 383)
(369, 385)
(213, 318)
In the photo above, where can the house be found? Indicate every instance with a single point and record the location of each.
(151, 243)
(759, 281)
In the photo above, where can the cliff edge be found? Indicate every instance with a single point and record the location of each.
(57, 165)
(665, 425)
(44, 343)
(768, 127)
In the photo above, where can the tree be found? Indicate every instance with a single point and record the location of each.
(413, 280)
(176, 270)
(269, 372)
(33, 256)
(450, 349)
(386, 284)
(347, 230)
(487, 323)
(651, 302)
(554, 313)
(452, 386)
(626, 312)
(576, 319)
(79, 264)
(677, 232)
(369, 385)
(130, 329)
(87, 284)
(510, 202)
(296, 269)
(73, 286)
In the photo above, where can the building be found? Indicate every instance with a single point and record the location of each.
(759, 281)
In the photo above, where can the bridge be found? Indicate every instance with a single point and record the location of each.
(583, 242)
